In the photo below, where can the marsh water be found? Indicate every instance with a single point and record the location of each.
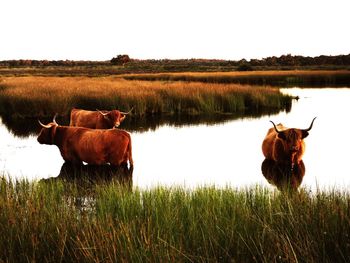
(226, 152)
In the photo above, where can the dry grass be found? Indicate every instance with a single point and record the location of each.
(44, 96)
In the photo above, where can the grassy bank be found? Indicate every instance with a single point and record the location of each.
(44, 96)
(62, 223)
(275, 78)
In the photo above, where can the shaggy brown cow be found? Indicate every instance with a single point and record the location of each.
(93, 146)
(285, 145)
(97, 119)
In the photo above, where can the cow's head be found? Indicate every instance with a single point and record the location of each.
(114, 117)
(292, 138)
(47, 133)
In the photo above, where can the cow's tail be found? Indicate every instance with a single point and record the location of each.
(129, 152)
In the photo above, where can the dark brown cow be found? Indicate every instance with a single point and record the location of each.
(285, 145)
(97, 119)
(93, 146)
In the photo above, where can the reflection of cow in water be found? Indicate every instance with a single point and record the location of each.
(92, 174)
(283, 176)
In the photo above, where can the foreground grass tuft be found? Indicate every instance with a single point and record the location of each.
(62, 222)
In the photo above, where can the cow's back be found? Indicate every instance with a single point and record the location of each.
(98, 146)
(83, 118)
(269, 141)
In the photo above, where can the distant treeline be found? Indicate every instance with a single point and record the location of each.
(289, 60)
(123, 64)
(50, 63)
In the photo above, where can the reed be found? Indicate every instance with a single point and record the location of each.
(45, 96)
(57, 222)
(275, 78)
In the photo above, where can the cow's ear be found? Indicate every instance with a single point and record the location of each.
(304, 134)
(282, 136)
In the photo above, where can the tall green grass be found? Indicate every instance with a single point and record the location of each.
(59, 222)
(44, 96)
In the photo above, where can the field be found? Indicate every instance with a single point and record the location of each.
(32, 96)
(62, 222)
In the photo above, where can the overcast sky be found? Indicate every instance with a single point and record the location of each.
(156, 29)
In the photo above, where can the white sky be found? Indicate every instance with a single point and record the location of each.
(155, 29)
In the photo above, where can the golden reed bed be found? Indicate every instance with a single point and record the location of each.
(34, 96)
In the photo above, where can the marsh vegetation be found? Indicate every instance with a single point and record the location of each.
(26, 97)
(110, 222)
(275, 78)
(46, 222)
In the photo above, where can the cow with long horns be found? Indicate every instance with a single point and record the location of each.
(97, 119)
(93, 146)
(285, 145)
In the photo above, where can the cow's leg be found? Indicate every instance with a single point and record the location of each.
(70, 170)
(66, 170)
(123, 168)
(123, 175)
(71, 157)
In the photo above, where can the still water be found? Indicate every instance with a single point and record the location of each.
(224, 154)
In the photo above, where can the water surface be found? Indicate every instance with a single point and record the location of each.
(224, 154)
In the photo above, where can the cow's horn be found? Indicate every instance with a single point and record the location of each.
(104, 114)
(54, 119)
(45, 126)
(310, 125)
(126, 113)
(275, 127)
